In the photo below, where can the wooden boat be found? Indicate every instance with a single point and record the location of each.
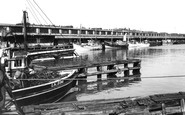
(30, 84)
(47, 48)
(83, 47)
(117, 44)
(138, 44)
(33, 85)
(167, 42)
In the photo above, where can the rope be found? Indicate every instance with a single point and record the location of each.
(42, 12)
(38, 13)
(33, 11)
(33, 15)
(117, 78)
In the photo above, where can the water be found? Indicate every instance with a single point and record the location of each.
(156, 62)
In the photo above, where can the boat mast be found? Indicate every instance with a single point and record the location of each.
(80, 35)
(125, 37)
(25, 30)
(112, 36)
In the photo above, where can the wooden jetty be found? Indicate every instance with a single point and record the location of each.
(161, 104)
(129, 67)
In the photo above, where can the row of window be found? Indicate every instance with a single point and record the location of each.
(73, 31)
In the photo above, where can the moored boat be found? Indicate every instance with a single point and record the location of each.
(33, 85)
(91, 45)
(28, 84)
(135, 44)
(117, 44)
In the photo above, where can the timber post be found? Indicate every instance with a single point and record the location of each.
(163, 109)
(83, 79)
(110, 67)
(182, 106)
(99, 69)
(126, 72)
(135, 65)
(99, 85)
(2, 91)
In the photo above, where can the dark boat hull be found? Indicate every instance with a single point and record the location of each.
(48, 94)
(114, 45)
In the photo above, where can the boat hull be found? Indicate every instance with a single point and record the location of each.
(48, 93)
(112, 45)
(138, 45)
(84, 48)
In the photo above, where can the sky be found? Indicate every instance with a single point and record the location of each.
(145, 15)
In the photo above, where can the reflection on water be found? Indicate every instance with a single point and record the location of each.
(88, 57)
(94, 89)
(110, 82)
(155, 62)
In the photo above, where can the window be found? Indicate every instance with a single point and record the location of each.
(18, 63)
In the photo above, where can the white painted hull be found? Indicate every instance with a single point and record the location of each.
(84, 48)
(138, 45)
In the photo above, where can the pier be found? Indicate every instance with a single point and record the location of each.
(130, 68)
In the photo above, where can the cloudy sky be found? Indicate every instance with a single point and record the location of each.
(148, 15)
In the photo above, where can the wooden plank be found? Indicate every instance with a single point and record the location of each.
(90, 65)
(166, 97)
(100, 72)
(133, 68)
(107, 71)
(10, 113)
(127, 106)
(100, 101)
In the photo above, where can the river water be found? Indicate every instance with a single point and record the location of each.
(159, 65)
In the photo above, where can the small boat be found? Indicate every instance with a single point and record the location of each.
(134, 44)
(32, 84)
(167, 42)
(117, 44)
(91, 45)
(35, 84)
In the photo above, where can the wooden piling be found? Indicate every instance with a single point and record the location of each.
(2, 98)
(99, 69)
(135, 65)
(182, 106)
(163, 109)
(110, 67)
(2, 90)
(126, 72)
(82, 70)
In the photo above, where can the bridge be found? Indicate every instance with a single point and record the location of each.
(70, 34)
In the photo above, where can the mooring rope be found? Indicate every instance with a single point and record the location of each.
(115, 78)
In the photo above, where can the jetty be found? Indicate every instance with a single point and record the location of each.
(110, 67)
